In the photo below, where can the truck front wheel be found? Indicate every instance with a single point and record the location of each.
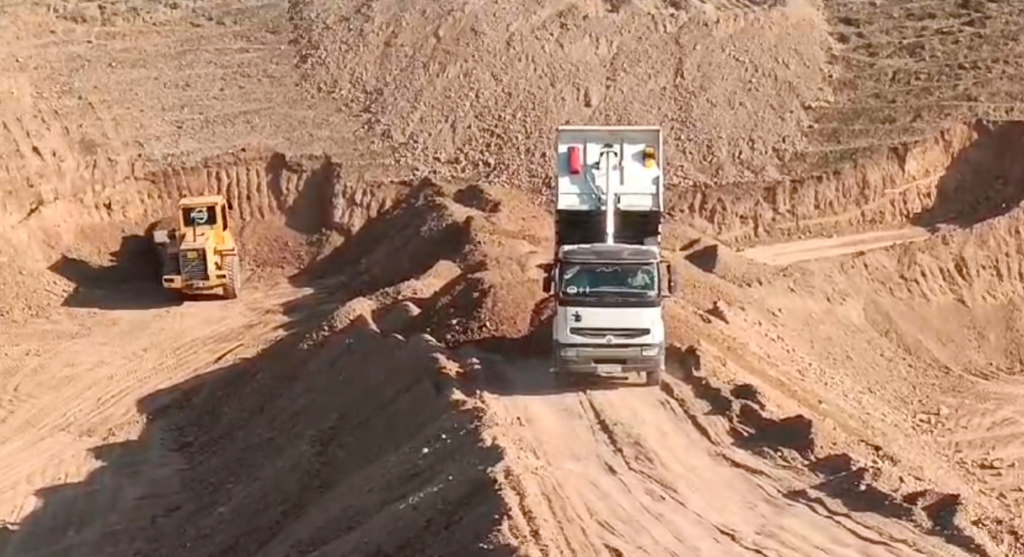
(653, 378)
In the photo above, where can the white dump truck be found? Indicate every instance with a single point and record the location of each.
(608, 276)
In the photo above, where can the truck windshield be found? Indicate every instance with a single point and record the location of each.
(632, 280)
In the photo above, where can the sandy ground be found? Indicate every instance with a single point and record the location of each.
(845, 352)
(805, 250)
(604, 469)
(651, 484)
(630, 461)
(57, 378)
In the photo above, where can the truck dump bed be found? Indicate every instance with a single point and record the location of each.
(590, 161)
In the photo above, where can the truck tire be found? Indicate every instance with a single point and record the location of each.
(233, 268)
(653, 378)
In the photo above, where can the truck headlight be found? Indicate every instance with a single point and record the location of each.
(568, 352)
(649, 351)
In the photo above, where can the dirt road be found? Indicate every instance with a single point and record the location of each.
(790, 117)
(72, 382)
(819, 248)
(628, 472)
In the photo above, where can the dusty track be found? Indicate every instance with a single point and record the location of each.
(626, 471)
(819, 248)
(72, 383)
(603, 471)
(865, 405)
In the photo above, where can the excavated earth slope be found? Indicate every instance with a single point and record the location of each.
(380, 388)
(355, 431)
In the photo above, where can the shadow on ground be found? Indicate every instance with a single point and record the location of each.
(510, 374)
(984, 181)
(521, 365)
(6, 539)
(351, 445)
(130, 283)
(753, 429)
(310, 211)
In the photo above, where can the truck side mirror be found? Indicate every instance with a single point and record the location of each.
(669, 279)
(548, 282)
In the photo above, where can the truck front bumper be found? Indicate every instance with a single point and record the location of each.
(176, 282)
(608, 359)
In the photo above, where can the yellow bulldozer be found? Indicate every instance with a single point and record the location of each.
(198, 253)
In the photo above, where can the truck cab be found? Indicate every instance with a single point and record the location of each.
(608, 277)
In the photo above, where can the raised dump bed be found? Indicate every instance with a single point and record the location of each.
(598, 163)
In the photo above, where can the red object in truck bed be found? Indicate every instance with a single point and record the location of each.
(575, 159)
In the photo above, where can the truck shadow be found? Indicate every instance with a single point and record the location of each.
(520, 365)
(511, 374)
(129, 283)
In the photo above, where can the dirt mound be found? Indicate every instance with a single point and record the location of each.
(379, 458)
(862, 483)
(715, 258)
(384, 455)
(355, 432)
(916, 348)
(357, 482)
(979, 265)
(495, 298)
(961, 174)
(811, 410)
(465, 87)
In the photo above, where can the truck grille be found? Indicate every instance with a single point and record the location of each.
(193, 269)
(171, 266)
(589, 332)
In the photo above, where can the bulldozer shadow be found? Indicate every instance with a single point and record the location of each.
(130, 282)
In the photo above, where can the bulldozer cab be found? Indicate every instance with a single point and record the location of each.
(203, 214)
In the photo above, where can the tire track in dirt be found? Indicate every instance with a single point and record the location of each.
(986, 436)
(913, 66)
(819, 248)
(62, 403)
(627, 463)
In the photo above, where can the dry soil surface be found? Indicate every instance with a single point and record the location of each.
(639, 478)
(325, 417)
(785, 253)
(834, 389)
